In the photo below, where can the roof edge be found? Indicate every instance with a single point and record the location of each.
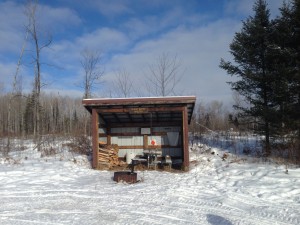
(167, 99)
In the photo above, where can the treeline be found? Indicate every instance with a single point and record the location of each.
(58, 115)
(209, 117)
(266, 61)
(64, 115)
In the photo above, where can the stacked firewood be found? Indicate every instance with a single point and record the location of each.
(108, 154)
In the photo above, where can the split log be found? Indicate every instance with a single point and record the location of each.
(108, 154)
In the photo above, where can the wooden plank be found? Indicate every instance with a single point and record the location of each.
(161, 133)
(141, 100)
(95, 137)
(185, 137)
(147, 124)
(102, 160)
(145, 141)
(104, 155)
(108, 154)
(131, 147)
(108, 131)
(108, 151)
(149, 146)
(144, 110)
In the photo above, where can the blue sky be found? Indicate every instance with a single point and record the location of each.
(130, 34)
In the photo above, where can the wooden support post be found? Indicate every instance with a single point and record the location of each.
(185, 137)
(145, 140)
(108, 135)
(95, 137)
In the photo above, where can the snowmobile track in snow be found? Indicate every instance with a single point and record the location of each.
(64, 194)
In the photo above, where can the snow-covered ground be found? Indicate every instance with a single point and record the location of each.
(239, 190)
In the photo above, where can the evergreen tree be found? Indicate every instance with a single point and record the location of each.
(289, 34)
(296, 86)
(30, 124)
(29, 115)
(282, 69)
(253, 65)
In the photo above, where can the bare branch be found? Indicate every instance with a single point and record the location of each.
(92, 71)
(164, 75)
(123, 84)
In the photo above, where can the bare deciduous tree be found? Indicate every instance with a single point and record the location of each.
(123, 84)
(93, 73)
(16, 93)
(164, 76)
(211, 116)
(35, 32)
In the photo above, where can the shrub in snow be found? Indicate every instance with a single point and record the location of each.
(80, 144)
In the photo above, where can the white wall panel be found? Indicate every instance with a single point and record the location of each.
(173, 152)
(114, 140)
(127, 140)
(137, 140)
(103, 139)
(102, 130)
(160, 140)
(156, 138)
(123, 152)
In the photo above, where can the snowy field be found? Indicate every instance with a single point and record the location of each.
(239, 190)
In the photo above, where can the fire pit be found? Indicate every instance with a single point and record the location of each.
(125, 176)
(128, 176)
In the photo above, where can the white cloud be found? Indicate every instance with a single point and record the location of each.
(11, 26)
(11, 15)
(57, 19)
(13, 22)
(74, 93)
(137, 27)
(135, 43)
(245, 7)
(66, 54)
(104, 39)
(7, 72)
(241, 7)
(112, 8)
(153, 25)
(200, 49)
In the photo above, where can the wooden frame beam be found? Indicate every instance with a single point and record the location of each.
(147, 100)
(185, 139)
(108, 132)
(145, 124)
(95, 138)
(149, 147)
(140, 110)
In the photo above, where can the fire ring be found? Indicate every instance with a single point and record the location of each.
(125, 176)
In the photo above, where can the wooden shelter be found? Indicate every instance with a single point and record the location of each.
(138, 125)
